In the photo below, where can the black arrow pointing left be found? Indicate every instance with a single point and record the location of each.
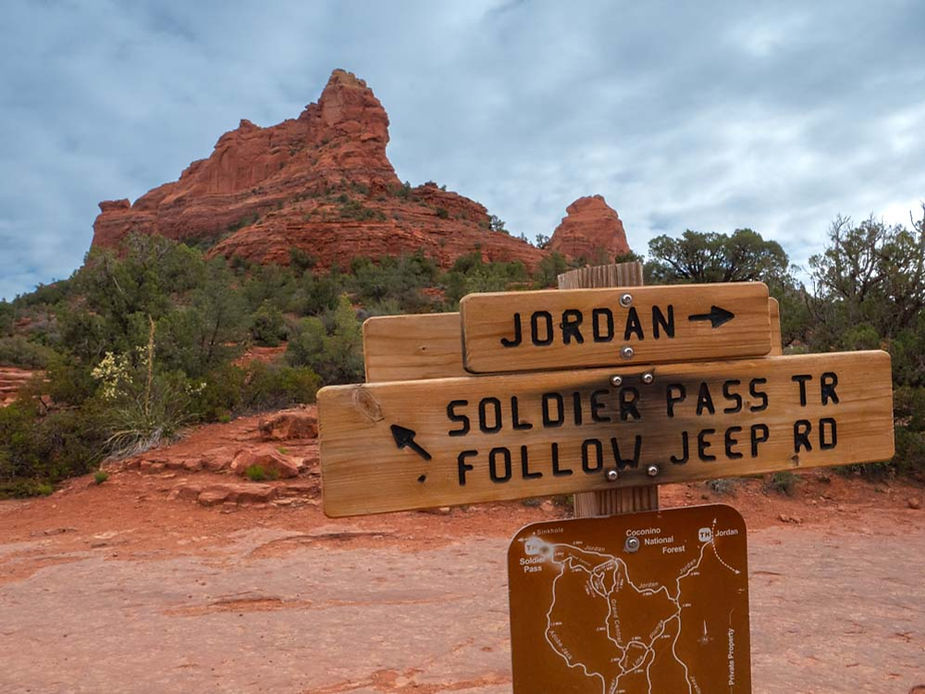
(404, 438)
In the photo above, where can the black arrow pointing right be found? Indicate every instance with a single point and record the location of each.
(717, 316)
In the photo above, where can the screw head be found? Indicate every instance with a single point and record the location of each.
(631, 544)
(616, 381)
(626, 300)
(612, 475)
(627, 352)
(653, 470)
(648, 377)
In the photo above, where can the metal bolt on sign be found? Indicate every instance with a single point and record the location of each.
(631, 544)
(627, 352)
(613, 475)
(616, 381)
(648, 377)
(626, 300)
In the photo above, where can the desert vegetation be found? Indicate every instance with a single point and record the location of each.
(135, 346)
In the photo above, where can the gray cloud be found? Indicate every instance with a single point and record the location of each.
(776, 116)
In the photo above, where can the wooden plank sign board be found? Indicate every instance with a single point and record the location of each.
(777, 347)
(429, 345)
(569, 328)
(646, 602)
(410, 347)
(403, 445)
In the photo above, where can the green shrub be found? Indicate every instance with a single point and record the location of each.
(7, 314)
(910, 452)
(22, 488)
(783, 482)
(38, 448)
(270, 284)
(300, 260)
(316, 294)
(100, 476)
(222, 394)
(255, 473)
(335, 353)
(268, 327)
(549, 269)
(244, 221)
(354, 209)
(722, 486)
(471, 274)
(22, 352)
(397, 278)
(138, 422)
(272, 386)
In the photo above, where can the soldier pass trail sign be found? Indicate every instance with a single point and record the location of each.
(650, 603)
(521, 331)
(415, 444)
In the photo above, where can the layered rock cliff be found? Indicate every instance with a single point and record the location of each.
(321, 183)
(591, 230)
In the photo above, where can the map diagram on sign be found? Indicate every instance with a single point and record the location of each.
(650, 602)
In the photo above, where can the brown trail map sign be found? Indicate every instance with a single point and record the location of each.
(570, 328)
(416, 444)
(653, 603)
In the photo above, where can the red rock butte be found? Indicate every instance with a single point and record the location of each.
(321, 183)
(591, 230)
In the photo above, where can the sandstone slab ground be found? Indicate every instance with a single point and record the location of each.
(121, 588)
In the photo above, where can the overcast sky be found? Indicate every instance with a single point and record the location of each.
(703, 115)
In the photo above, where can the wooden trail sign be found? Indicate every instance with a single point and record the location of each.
(556, 329)
(429, 345)
(777, 347)
(411, 347)
(646, 602)
(404, 445)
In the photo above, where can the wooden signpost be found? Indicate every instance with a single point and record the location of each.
(429, 345)
(412, 347)
(606, 393)
(403, 445)
(567, 329)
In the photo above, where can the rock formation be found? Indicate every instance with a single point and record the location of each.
(12, 380)
(591, 230)
(320, 183)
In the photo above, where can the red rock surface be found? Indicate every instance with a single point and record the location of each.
(285, 425)
(591, 230)
(12, 380)
(139, 588)
(270, 461)
(322, 183)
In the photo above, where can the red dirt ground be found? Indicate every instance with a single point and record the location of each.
(123, 586)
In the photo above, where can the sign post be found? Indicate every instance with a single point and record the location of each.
(604, 393)
(609, 502)
(401, 445)
(580, 328)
